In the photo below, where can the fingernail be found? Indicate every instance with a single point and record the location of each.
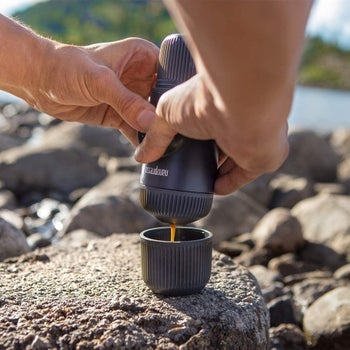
(145, 119)
(138, 154)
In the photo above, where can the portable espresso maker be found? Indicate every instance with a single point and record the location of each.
(178, 188)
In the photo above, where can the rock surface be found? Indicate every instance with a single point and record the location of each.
(49, 190)
(12, 241)
(92, 297)
(111, 207)
(327, 321)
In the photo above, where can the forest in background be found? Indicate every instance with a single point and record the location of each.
(84, 22)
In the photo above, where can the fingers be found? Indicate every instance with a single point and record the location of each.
(129, 105)
(231, 177)
(155, 143)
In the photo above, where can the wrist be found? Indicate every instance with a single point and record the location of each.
(22, 59)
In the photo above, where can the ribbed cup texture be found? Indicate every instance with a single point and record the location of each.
(175, 62)
(176, 271)
(175, 206)
(176, 268)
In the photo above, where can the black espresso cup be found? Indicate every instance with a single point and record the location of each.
(176, 268)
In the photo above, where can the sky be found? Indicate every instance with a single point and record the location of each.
(329, 18)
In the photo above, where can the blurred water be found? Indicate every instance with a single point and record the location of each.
(7, 98)
(320, 109)
(313, 108)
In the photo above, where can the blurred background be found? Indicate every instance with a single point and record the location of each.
(322, 97)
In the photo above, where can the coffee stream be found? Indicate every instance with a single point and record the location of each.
(172, 232)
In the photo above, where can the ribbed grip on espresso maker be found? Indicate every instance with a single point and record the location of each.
(175, 65)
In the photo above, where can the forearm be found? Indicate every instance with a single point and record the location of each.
(249, 52)
(21, 57)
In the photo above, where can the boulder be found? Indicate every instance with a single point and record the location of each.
(43, 168)
(327, 321)
(232, 215)
(322, 256)
(7, 200)
(311, 156)
(13, 241)
(279, 232)
(288, 190)
(344, 174)
(288, 264)
(94, 297)
(325, 218)
(340, 141)
(94, 139)
(113, 206)
(343, 272)
(282, 310)
(287, 337)
(9, 141)
(259, 190)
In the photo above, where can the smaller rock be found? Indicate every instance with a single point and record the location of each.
(327, 321)
(307, 292)
(322, 256)
(311, 156)
(343, 272)
(323, 217)
(279, 232)
(329, 188)
(288, 190)
(288, 264)
(12, 217)
(36, 240)
(7, 200)
(232, 249)
(13, 241)
(264, 276)
(255, 256)
(231, 216)
(340, 141)
(77, 238)
(270, 282)
(343, 173)
(281, 310)
(299, 277)
(287, 337)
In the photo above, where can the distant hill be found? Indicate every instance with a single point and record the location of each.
(84, 22)
(88, 21)
(325, 65)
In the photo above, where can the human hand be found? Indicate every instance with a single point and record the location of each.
(103, 84)
(192, 110)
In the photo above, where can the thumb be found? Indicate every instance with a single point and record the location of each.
(156, 141)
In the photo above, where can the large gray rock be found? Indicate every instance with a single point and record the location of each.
(43, 168)
(288, 190)
(279, 232)
(7, 200)
(94, 139)
(93, 297)
(344, 174)
(340, 141)
(9, 141)
(311, 156)
(287, 337)
(12, 241)
(232, 215)
(113, 206)
(325, 218)
(327, 321)
(259, 190)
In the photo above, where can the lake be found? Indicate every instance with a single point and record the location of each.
(313, 108)
(320, 109)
